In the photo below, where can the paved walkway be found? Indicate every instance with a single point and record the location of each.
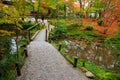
(46, 63)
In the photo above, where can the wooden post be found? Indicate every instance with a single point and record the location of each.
(29, 35)
(83, 64)
(75, 61)
(49, 39)
(17, 69)
(59, 47)
(38, 28)
(46, 36)
(48, 26)
(25, 51)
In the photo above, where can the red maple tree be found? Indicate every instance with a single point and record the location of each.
(110, 17)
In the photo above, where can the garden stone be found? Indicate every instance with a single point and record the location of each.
(90, 75)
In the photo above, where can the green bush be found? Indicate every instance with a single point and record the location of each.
(5, 46)
(73, 24)
(7, 62)
(7, 67)
(59, 31)
(26, 25)
(23, 42)
(89, 35)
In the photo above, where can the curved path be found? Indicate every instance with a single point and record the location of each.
(46, 63)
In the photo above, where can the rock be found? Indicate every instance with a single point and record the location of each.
(87, 73)
(66, 50)
(84, 69)
(90, 75)
(82, 48)
(66, 42)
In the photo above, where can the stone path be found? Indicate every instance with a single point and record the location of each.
(46, 63)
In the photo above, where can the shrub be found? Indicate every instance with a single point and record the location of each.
(59, 31)
(5, 46)
(8, 60)
(26, 25)
(74, 24)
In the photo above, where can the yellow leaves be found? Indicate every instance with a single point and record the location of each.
(76, 10)
(4, 33)
(45, 5)
(1, 5)
(43, 11)
(5, 9)
(9, 10)
(36, 5)
(19, 27)
(7, 19)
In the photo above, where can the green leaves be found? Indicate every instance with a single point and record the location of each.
(59, 31)
(97, 6)
(5, 48)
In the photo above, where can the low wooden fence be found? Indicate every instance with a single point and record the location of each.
(75, 58)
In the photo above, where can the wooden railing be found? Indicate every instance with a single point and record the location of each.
(29, 30)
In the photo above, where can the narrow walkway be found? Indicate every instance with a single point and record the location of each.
(46, 63)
